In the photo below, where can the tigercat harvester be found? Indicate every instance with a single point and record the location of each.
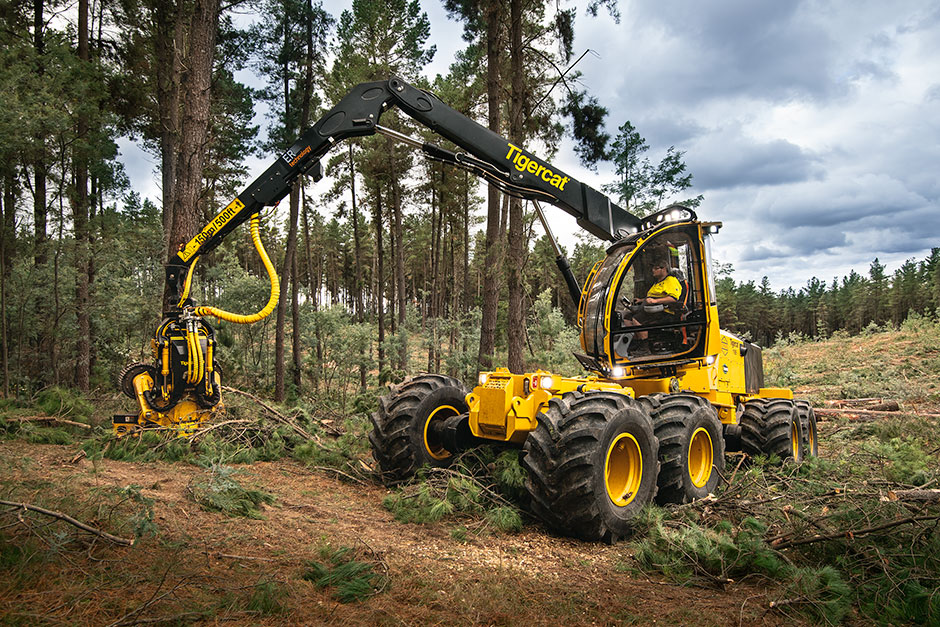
(668, 391)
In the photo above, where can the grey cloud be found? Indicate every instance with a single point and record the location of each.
(742, 162)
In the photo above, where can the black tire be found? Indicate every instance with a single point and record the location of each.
(808, 424)
(691, 446)
(399, 435)
(772, 427)
(131, 372)
(592, 464)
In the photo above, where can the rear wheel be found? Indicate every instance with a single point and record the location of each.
(691, 446)
(592, 464)
(808, 424)
(401, 439)
(772, 427)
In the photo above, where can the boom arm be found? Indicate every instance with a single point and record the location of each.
(510, 167)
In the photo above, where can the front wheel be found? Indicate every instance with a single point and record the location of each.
(592, 464)
(401, 438)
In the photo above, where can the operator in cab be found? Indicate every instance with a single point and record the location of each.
(665, 291)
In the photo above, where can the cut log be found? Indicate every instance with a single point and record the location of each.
(921, 496)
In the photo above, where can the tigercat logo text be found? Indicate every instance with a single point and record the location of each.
(525, 164)
(212, 228)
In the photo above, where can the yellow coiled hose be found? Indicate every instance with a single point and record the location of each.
(272, 275)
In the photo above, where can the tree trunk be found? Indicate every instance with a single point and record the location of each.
(492, 263)
(80, 224)
(39, 163)
(168, 43)
(357, 261)
(379, 277)
(515, 325)
(282, 298)
(196, 90)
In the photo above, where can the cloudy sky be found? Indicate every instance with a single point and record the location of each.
(811, 128)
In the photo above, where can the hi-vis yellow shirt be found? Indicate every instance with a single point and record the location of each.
(669, 286)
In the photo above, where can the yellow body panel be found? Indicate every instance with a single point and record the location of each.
(504, 408)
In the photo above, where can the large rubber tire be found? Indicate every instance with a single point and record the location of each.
(772, 427)
(691, 446)
(808, 424)
(592, 464)
(131, 372)
(399, 438)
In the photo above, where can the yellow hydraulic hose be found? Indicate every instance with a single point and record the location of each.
(272, 275)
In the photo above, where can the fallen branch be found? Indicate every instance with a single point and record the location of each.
(70, 520)
(921, 496)
(277, 415)
(53, 419)
(859, 413)
(851, 533)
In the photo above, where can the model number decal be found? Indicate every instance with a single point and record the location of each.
(211, 229)
(525, 164)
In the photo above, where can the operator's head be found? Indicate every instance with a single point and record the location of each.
(659, 266)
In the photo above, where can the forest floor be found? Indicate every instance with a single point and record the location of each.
(189, 565)
(205, 566)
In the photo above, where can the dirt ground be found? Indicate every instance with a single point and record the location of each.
(207, 568)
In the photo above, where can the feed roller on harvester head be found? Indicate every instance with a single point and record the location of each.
(667, 393)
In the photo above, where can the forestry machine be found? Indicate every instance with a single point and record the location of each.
(668, 391)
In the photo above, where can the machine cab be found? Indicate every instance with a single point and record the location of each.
(666, 259)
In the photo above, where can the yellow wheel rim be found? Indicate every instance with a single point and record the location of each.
(795, 439)
(701, 457)
(434, 448)
(812, 438)
(623, 471)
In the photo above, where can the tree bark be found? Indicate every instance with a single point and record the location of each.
(515, 324)
(282, 298)
(168, 23)
(379, 276)
(492, 262)
(196, 86)
(80, 224)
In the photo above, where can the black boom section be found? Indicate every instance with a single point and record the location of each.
(532, 177)
(357, 114)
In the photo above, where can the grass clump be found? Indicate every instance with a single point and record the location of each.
(221, 492)
(352, 580)
(266, 599)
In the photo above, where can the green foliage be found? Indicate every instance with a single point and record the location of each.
(64, 403)
(221, 492)
(685, 551)
(552, 341)
(471, 488)
(904, 460)
(352, 580)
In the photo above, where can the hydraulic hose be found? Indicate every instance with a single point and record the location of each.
(272, 275)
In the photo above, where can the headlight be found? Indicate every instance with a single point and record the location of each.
(546, 382)
(617, 372)
(711, 359)
(483, 378)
